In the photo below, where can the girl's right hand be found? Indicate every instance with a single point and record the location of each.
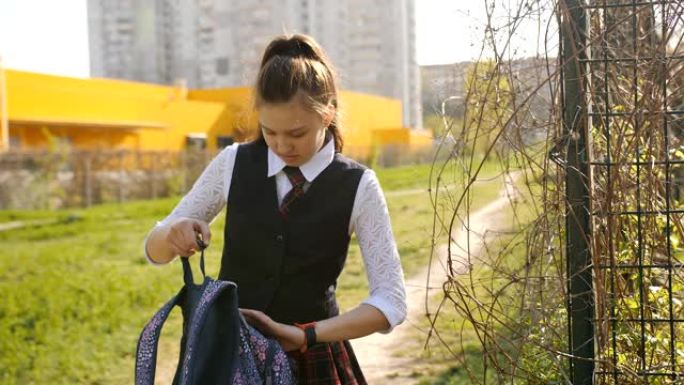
(183, 233)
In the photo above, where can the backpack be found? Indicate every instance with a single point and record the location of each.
(218, 346)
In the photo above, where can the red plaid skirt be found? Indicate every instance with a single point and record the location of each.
(331, 363)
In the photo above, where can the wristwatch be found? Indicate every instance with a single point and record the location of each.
(309, 335)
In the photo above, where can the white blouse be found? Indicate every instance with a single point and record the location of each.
(369, 220)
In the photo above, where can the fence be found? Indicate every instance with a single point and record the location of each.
(623, 100)
(83, 178)
(77, 178)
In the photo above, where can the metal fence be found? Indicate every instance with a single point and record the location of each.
(49, 180)
(623, 100)
(81, 178)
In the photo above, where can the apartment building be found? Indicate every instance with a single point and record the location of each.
(218, 43)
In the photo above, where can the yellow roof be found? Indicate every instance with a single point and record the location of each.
(38, 99)
(88, 123)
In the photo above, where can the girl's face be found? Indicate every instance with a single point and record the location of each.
(293, 132)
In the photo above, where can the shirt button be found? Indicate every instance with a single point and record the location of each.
(279, 238)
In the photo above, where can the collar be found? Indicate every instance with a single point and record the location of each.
(311, 168)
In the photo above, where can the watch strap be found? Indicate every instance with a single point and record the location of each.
(309, 335)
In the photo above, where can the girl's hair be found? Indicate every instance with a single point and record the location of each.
(296, 65)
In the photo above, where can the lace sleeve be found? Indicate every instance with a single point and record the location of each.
(209, 193)
(371, 223)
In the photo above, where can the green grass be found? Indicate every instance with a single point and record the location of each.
(76, 290)
(405, 177)
(76, 293)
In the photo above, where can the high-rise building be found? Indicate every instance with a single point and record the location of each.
(381, 53)
(115, 39)
(218, 43)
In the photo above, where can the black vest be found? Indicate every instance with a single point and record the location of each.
(287, 268)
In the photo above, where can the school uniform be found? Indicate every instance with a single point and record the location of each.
(285, 252)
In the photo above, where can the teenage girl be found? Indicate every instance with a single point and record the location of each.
(293, 201)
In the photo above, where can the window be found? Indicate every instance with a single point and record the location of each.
(196, 142)
(222, 66)
(224, 141)
(14, 142)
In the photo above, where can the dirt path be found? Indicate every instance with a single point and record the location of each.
(6, 226)
(378, 353)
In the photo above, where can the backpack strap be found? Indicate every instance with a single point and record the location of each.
(146, 353)
(187, 270)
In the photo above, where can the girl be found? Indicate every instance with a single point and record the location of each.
(293, 202)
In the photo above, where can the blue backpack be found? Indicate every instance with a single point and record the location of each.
(218, 346)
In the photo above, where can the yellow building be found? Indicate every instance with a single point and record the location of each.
(115, 114)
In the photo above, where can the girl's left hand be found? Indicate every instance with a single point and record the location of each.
(289, 336)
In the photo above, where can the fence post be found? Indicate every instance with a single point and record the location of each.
(577, 188)
(87, 185)
(154, 178)
(121, 177)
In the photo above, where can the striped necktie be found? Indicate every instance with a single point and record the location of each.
(294, 174)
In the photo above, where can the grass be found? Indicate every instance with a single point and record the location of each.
(405, 177)
(77, 289)
(76, 293)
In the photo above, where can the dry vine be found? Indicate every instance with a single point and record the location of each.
(512, 299)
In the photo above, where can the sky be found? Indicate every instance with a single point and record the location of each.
(449, 31)
(51, 36)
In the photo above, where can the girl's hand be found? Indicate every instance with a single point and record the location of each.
(182, 235)
(290, 337)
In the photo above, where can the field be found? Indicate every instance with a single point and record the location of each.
(77, 289)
